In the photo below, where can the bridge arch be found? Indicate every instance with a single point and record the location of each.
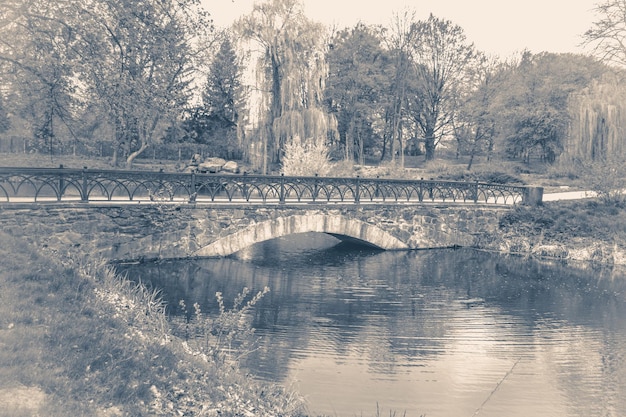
(339, 226)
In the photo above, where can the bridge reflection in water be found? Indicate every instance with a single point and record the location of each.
(431, 333)
(25, 185)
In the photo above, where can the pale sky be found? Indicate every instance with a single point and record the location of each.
(501, 27)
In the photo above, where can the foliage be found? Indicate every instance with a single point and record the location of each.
(36, 56)
(219, 121)
(5, 122)
(357, 84)
(598, 118)
(580, 219)
(474, 123)
(441, 57)
(532, 105)
(129, 62)
(94, 343)
(226, 338)
(539, 128)
(399, 43)
(209, 130)
(290, 74)
(306, 160)
(606, 177)
(222, 95)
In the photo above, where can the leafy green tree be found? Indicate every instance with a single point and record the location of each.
(441, 56)
(223, 92)
(132, 62)
(36, 53)
(357, 87)
(290, 72)
(138, 60)
(475, 121)
(218, 121)
(534, 116)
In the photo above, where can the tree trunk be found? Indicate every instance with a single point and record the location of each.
(114, 158)
(276, 107)
(429, 145)
(401, 142)
(350, 142)
(133, 155)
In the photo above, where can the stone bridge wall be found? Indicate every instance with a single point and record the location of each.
(160, 231)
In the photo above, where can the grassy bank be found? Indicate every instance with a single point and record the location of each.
(77, 340)
(585, 230)
(567, 219)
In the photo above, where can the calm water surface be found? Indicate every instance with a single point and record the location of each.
(447, 333)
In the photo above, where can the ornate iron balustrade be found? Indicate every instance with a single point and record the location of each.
(60, 184)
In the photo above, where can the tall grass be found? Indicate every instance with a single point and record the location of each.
(97, 344)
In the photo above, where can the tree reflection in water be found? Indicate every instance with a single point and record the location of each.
(424, 331)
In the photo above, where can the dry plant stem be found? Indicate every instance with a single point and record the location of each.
(479, 409)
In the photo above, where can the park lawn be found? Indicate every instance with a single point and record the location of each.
(77, 162)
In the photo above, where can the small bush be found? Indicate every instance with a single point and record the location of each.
(607, 177)
(306, 159)
(226, 338)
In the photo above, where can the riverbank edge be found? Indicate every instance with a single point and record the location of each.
(548, 233)
(510, 238)
(577, 251)
(82, 340)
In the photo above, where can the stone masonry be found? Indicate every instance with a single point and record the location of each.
(150, 231)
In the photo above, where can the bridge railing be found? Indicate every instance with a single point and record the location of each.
(86, 185)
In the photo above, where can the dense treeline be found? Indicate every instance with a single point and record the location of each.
(135, 74)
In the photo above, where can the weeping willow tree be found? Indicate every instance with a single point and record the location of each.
(290, 73)
(598, 120)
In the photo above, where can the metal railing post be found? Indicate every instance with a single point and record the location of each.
(245, 187)
(281, 198)
(61, 183)
(357, 197)
(476, 192)
(193, 190)
(430, 191)
(84, 192)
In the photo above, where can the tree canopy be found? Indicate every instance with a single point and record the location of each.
(290, 73)
(132, 73)
(133, 62)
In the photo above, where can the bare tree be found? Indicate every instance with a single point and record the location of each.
(441, 55)
(400, 44)
(607, 37)
(474, 121)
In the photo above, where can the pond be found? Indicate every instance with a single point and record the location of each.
(438, 333)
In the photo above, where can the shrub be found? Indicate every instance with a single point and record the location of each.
(306, 159)
(606, 177)
(223, 339)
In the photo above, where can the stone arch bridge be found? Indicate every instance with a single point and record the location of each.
(128, 215)
(143, 231)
